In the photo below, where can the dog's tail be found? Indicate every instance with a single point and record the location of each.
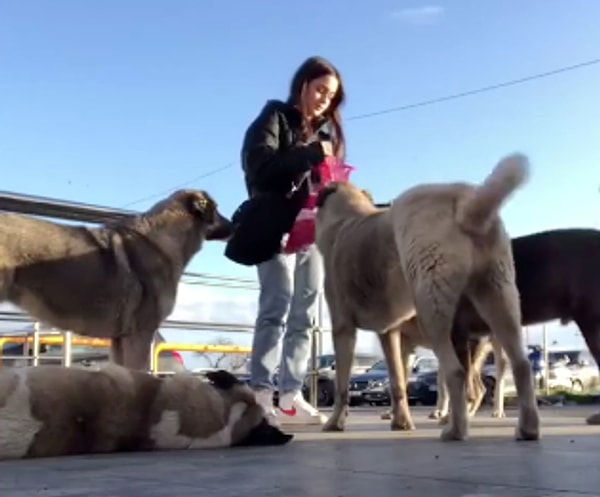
(476, 213)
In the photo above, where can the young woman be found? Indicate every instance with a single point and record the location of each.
(281, 147)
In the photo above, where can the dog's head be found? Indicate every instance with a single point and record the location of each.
(342, 195)
(197, 206)
(204, 207)
(253, 428)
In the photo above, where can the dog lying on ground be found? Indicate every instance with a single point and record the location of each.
(558, 277)
(434, 244)
(50, 411)
(116, 281)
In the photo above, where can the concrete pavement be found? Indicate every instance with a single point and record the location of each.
(367, 460)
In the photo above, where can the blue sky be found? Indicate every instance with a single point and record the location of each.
(118, 102)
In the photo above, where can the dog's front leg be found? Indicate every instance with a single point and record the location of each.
(136, 348)
(500, 361)
(344, 341)
(116, 350)
(442, 402)
(390, 343)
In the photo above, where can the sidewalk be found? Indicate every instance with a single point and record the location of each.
(366, 461)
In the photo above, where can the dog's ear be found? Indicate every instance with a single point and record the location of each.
(265, 434)
(202, 204)
(324, 193)
(223, 380)
(367, 194)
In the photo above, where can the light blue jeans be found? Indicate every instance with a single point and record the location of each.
(287, 304)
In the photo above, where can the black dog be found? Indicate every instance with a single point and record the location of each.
(558, 277)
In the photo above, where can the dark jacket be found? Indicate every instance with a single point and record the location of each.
(273, 157)
(274, 161)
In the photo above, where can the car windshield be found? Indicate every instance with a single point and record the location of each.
(325, 361)
(379, 366)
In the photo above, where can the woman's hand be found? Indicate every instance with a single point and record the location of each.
(327, 148)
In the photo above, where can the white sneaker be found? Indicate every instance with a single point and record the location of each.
(264, 398)
(293, 409)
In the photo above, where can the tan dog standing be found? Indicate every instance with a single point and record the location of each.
(116, 281)
(434, 244)
(50, 411)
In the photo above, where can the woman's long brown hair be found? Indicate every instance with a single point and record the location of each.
(311, 69)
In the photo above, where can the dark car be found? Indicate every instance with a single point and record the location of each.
(371, 386)
(374, 386)
(326, 376)
(422, 389)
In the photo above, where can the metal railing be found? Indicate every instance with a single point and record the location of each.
(193, 347)
(87, 213)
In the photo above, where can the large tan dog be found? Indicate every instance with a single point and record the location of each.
(117, 281)
(50, 411)
(434, 244)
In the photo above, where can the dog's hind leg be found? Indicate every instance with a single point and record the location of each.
(589, 325)
(497, 300)
(344, 341)
(500, 362)
(462, 346)
(391, 346)
(436, 303)
(480, 354)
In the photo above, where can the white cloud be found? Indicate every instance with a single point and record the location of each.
(426, 15)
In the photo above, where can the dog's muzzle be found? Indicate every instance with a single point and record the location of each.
(221, 229)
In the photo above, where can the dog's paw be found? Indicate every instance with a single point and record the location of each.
(402, 424)
(528, 427)
(594, 419)
(335, 424)
(435, 414)
(498, 414)
(443, 420)
(452, 433)
(386, 415)
(523, 435)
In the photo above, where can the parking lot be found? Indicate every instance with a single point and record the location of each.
(365, 460)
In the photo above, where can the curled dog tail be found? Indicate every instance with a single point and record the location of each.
(476, 213)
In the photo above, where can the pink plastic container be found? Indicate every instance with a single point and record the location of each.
(302, 233)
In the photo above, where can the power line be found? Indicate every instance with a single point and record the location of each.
(476, 91)
(180, 185)
(403, 108)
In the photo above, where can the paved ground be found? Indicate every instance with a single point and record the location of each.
(367, 460)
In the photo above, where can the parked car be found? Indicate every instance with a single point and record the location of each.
(373, 386)
(326, 376)
(583, 368)
(422, 388)
(83, 355)
(569, 369)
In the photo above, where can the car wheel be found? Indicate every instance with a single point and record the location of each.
(490, 385)
(325, 394)
(576, 386)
